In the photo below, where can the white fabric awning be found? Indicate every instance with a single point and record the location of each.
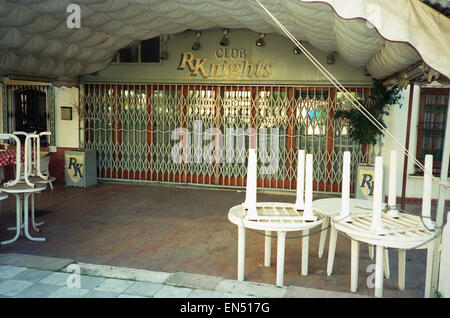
(385, 36)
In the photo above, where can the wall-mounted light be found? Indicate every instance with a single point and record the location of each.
(164, 54)
(196, 45)
(297, 50)
(225, 41)
(260, 41)
(331, 57)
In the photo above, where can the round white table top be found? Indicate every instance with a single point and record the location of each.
(405, 232)
(23, 188)
(332, 206)
(275, 216)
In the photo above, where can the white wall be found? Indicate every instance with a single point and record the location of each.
(66, 130)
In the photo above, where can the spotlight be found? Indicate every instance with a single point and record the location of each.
(331, 58)
(260, 41)
(196, 45)
(297, 50)
(224, 41)
(164, 55)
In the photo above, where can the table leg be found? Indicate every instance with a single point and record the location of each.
(371, 251)
(379, 265)
(323, 235)
(387, 272)
(18, 221)
(401, 269)
(305, 251)
(331, 250)
(281, 241)
(25, 212)
(354, 266)
(428, 272)
(19, 204)
(241, 252)
(267, 248)
(34, 224)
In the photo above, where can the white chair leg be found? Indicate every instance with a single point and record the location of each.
(430, 252)
(354, 266)
(371, 252)
(323, 235)
(241, 253)
(401, 269)
(387, 272)
(281, 241)
(267, 248)
(379, 264)
(305, 251)
(331, 250)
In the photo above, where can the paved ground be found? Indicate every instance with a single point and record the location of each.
(49, 277)
(174, 229)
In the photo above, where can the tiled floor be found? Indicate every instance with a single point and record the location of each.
(180, 229)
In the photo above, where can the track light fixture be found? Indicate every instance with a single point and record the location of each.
(331, 57)
(164, 55)
(196, 45)
(260, 41)
(225, 41)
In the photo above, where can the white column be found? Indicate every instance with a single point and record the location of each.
(345, 201)
(250, 193)
(392, 197)
(308, 213)
(299, 203)
(377, 225)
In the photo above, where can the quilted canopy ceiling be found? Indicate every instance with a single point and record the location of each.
(384, 36)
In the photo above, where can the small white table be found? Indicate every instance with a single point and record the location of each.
(273, 217)
(22, 192)
(405, 232)
(331, 207)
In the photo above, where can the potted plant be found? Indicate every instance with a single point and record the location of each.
(363, 131)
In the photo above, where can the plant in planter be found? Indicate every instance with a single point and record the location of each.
(360, 128)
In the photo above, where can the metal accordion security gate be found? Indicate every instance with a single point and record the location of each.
(200, 134)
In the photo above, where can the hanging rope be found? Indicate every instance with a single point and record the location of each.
(350, 97)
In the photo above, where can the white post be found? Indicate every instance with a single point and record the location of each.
(308, 215)
(427, 187)
(392, 198)
(250, 193)
(377, 225)
(345, 201)
(299, 203)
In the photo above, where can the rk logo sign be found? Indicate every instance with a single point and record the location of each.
(365, 183)
(75, 167)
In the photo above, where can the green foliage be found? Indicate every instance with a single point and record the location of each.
(360, 127)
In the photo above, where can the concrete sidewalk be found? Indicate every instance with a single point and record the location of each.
(31, 276)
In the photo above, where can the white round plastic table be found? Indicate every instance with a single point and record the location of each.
(22, 192)
(405, 232)
(331, 207)
(273, 217)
